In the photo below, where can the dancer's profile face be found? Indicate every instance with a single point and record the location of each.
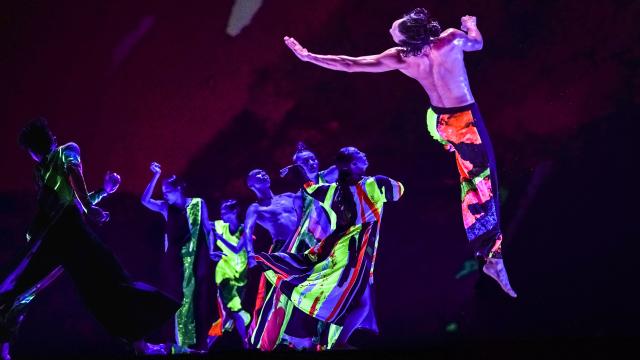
(359, 164)
(395, 32)
(258, 179)
(308, 161)
(171, 194)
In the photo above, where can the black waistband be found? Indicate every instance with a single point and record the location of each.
(452, 110)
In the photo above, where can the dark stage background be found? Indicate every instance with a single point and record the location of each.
(184, 84)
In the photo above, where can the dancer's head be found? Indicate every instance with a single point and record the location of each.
(351, 162)
(229, 211)
(307, 159)
(414, 31)
(173, 189)
(37, 139)
(258, 180)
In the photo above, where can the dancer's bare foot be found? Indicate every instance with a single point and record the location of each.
(144, 348)
(495, 269)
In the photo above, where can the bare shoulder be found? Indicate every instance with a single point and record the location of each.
(395, 51)
(451, 35)
(452, 32)
(394, 55)
(288, 195)
(71, 146)
(253, 208)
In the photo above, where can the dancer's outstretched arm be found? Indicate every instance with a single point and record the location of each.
(390, 59)
(155, 205)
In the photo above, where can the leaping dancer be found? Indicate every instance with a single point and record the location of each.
(435, 59)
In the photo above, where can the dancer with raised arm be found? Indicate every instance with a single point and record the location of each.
(187, 262)
(435, 59)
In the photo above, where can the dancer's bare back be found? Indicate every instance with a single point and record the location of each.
(439, 68)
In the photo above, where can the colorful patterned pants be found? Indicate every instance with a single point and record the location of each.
(462, 131)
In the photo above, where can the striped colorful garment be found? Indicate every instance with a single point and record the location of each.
(327, 279)
(463, 129)
(231, 276)
(273, 309)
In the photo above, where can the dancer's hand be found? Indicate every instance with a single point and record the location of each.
(216, 255)
(467, 22)
(111, 182)
(155, 168)
(284, 171)
(297, 49)
(98, 215)
(294, 168)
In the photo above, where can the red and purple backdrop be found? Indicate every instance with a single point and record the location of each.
(209, 90)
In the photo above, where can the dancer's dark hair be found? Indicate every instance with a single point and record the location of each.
(229, 205)
(419, 29)
(37, 137)
(175, 182)
(301, 148)
(343, 162)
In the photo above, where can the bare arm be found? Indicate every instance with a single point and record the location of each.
(155, 205)
(249, 226)
(390, 59)
(76, 179)
(206, 226)
(472, 40)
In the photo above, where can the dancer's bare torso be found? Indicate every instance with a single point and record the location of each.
(280, 216)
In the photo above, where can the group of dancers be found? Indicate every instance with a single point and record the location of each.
(316, 284)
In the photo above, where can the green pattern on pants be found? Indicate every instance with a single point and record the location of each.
(185, 316)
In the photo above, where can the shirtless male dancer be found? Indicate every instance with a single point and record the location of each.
(435, 59)
(274, 318)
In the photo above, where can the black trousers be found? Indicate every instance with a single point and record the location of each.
(127, 309)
